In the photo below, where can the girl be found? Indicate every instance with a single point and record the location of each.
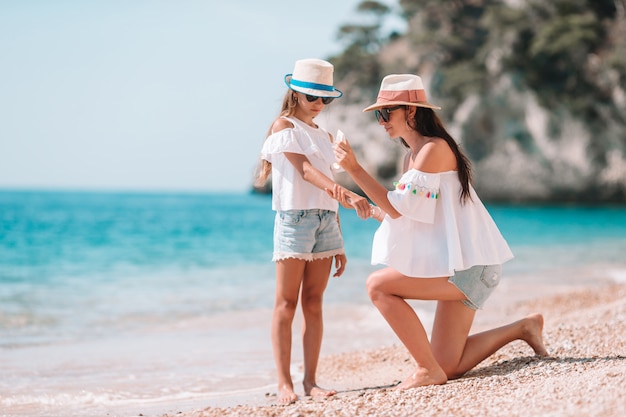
(437, 240)
(299, 155)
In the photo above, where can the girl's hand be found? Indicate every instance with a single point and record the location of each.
(344, 155)
(340, 264)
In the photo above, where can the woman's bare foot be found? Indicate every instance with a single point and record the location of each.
(532, 329)
(422, 377)
(315, 391)
(286, 395)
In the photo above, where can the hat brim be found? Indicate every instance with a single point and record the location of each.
(312, 91)
(376, 106)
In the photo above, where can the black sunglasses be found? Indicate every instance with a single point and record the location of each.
(325, 100)
(384, 113)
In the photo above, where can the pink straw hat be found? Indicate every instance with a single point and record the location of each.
(401, 89)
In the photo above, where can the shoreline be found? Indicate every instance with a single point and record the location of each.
(223, 363)
(584, 374)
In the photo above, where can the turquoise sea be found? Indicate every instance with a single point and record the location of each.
(146, 303)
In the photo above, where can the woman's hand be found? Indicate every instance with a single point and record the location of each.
(344, 155)
(340, 194)
(349, 199)
(360, 204)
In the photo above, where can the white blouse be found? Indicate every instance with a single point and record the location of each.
(436, 234)
(289, 190)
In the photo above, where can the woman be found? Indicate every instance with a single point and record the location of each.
(307, 236)
(437, 240)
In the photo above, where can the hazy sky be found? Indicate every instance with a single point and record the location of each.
(149, 94)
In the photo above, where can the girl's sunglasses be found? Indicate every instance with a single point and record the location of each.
(384, 113)
(325, 100)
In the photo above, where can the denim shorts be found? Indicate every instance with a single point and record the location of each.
(306, 234)
(477, 283)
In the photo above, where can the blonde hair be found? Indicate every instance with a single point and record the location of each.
(290, 102)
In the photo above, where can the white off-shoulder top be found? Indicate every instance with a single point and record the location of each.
(436, 234)
(289, 190)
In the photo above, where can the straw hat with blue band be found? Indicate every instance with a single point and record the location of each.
(313, 77)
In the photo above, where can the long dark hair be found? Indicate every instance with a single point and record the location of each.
(427, 123)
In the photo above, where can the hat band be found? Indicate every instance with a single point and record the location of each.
(305, 84)
(410, 96)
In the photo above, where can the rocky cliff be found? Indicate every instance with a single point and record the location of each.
(520, 151)
(535, 95)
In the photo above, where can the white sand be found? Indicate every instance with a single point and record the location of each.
(585, 374)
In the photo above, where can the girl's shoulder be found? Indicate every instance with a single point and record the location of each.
(281, 123)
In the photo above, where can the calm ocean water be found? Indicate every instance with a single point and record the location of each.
(129, 303)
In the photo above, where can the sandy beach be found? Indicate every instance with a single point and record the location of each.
(585, 374)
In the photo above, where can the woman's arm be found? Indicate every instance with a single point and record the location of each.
(377, 213)
(374, 190)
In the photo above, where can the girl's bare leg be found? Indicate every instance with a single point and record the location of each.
(289, 273)
(316, 275)
(387, 289)
(458, 353)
